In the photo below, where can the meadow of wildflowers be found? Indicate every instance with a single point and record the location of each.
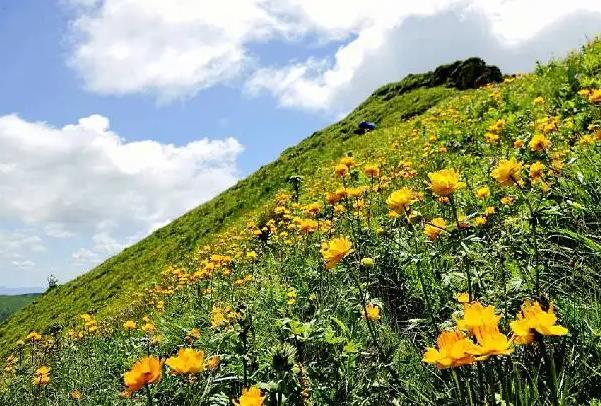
(452, 256)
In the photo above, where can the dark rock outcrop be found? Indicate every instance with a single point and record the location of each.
(469, 74)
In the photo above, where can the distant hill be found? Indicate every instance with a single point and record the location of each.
(20, 291)
(11, 303)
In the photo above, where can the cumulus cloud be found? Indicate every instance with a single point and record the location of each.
(84, 185)
(174, 49)
(422, 42)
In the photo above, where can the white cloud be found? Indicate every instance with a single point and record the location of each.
(82, 185)
(84, 173)
(85, 257)
(176, 48)
(498, 31)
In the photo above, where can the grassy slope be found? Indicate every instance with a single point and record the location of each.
(108, 288)
(348, 370)
(11, 303)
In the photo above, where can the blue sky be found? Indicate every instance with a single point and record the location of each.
(117, 116)
(34, 37)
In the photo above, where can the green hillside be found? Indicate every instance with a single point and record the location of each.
(11, 303)
(451, 256)
(107, 288)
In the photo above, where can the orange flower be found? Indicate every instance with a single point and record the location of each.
(476, 315)
(250, 397)
(454, 350)
(341, 170)
(144, 372)
(372, 171)
(434, 228)
(213, 362)
(532, 318)
(491, 342)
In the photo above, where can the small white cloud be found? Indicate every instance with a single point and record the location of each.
(57, 230)
(85, 256)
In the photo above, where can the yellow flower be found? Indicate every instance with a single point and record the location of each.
(462, 297)
(148, 328)
(434, 228)
(475, 315)
(129, 325)
(144, 372)
(491, 138)
(454, 350)
(536, 170)
(539, 143)
(307, 225)
(217, 317)
(400, 200)
(335, 250)
(586, 140)
(489, 211)
(372, 171)
(532, 318)
(41, 377)
(341, 170)
(194, 333)
(480, 221)
(518, 144)
(445, 182)
(187, 361)
(508, 172)
(33, 337)
(75, 395)
(595, 96)
(507, 200)
(372, 312)
(538, 101)
(250, 397)
(491, 342)
(347, 161)
(483, 192)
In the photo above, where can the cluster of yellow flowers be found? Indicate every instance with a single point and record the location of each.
(456, 348)
(11, 363)
(41, 377)
(90, 325)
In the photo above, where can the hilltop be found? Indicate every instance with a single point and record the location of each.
(450, 256)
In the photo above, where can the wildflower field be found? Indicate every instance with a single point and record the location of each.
(452, 256)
